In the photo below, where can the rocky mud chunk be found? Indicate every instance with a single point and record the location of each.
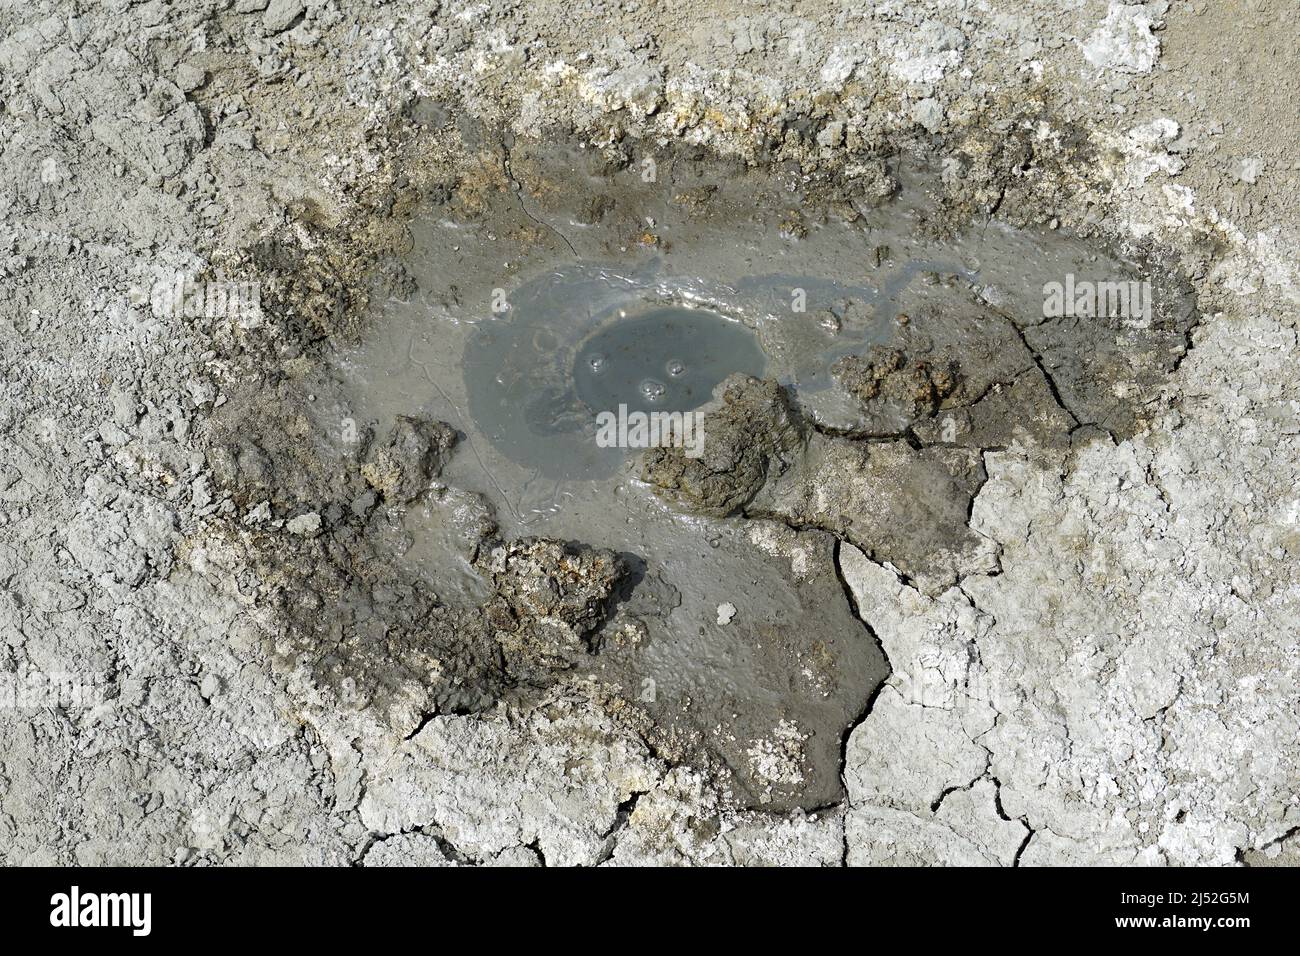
(751, 434)
(549, 598)
(916, 387)
(412, 454)
(948, 350)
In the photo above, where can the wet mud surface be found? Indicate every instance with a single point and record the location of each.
(855, 348)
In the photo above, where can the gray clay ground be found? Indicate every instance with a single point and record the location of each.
(955, 584)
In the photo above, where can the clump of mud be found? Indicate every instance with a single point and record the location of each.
(375, 638)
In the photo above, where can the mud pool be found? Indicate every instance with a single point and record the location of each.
(585, 340)
(521, 327)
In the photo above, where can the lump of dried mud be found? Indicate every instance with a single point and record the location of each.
(750, 433)
(413, 452)
(373, 636)
(548, 599)
(918, 386)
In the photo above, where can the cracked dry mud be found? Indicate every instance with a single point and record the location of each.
(954, 581)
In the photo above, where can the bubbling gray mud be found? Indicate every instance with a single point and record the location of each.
(506, 381)
(584, 340)
(669, 359)
(588, 338)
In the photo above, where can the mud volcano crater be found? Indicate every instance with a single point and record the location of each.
(854, 349)
(538, 380)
